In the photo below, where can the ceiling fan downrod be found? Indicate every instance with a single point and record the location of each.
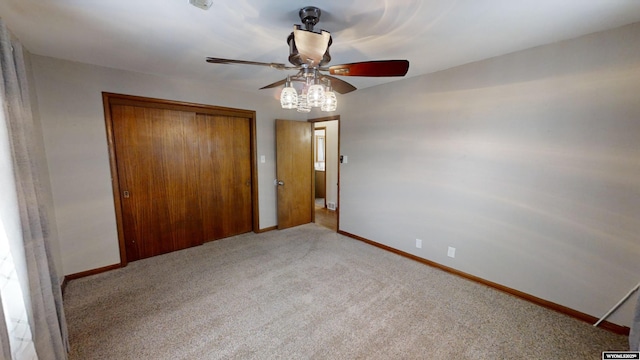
(310, 16)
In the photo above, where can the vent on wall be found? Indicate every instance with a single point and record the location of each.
(202, 4)
(331, 205)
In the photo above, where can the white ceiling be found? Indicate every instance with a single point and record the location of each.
(172, 37)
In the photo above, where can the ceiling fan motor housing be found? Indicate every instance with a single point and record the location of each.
(296, 59)
(310, 16)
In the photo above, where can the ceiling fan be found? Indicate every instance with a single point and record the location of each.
(309, 54)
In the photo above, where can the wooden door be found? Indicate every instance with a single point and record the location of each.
(160, 196)
(294, 170)
(225, 192)
(184, 178)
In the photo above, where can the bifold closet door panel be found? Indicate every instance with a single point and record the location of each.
(225, 147)
(157, 160)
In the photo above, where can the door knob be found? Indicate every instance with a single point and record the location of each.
(280, 183)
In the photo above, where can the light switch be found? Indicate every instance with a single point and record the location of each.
(263, 159)
(451, 252)
(344, 159)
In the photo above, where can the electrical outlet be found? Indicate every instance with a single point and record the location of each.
(451, 252)
(419, 243)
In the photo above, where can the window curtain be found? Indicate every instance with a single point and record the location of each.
(32, 324)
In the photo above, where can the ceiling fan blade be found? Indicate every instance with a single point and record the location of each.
(245, 62)
(296, 77)
(340, 85)
(275, 84)
(380, 68)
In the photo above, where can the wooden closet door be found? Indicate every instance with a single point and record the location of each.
(226, 202)
(158, 161)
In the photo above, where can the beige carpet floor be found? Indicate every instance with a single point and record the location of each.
(309, 293)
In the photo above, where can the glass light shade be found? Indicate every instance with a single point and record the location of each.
(330, 102)
(289, 98)
(315, 95)
(303, 105)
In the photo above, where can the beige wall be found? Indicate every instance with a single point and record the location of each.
(528, 164)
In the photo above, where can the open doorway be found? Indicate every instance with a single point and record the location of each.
(326, 171)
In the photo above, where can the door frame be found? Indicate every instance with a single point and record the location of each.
(109, 99)
(315, 151)
(317, 120)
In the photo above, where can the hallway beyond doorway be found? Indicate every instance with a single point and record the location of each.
(325, 217)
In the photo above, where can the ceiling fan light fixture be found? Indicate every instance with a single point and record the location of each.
(330, 102)
(303, 105)
(315, 94)
(288, 96)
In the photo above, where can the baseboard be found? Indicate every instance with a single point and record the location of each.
(63, 285)
(82, 274)
(618, 329)
(260, 231)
